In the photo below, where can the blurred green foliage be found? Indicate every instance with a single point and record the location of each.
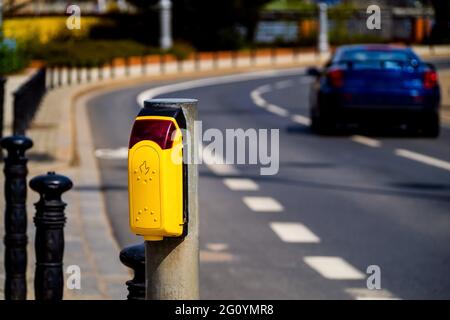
(92, 53)
(12, 58)
(86, 53)
(181, 50)
(291, 5)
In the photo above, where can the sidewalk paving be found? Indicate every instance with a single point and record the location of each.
(63, 143)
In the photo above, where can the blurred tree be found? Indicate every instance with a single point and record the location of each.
(441, 28)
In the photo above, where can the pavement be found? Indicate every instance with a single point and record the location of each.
(324, 184)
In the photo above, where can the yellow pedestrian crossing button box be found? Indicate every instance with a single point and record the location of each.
(156, 173)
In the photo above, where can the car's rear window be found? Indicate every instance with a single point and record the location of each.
(386, 59)
(374, 55)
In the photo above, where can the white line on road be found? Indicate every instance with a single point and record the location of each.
(334, 268)
(277, 110)
(216, 163)
(238, 184)
(367, 294)
(112, 154)
(217, 246)
(301, 120)
(192, 84)
(294, 232)
(263, 204)
(284, 84)
(423, 159)
(258, 100)
(264, 89)
(366, 141)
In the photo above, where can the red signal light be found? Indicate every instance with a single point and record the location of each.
(156, 130)
(430, 79)
(336, 77)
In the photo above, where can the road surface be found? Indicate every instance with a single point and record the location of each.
(338, 205)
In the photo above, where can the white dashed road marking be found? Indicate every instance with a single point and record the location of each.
(263, 204)
(112, 154)
(301, 120)
(423, 159)
(206, 82)
(366, 141)
(334, 268)
(294, 232)
(277, 110)
(258, 100)
(367, 294)
(284, 84)
(217, 246)
(217, 164)
(237, 184)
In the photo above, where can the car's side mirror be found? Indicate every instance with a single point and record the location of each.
(313, 72)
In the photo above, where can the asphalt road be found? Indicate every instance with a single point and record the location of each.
(337, 205)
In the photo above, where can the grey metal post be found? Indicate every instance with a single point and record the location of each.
(101, 6)
(323, 44)
(172, 265)
(165, 11)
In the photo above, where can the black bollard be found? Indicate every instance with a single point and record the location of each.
(49, 241)
(16, 216)
(134, 257)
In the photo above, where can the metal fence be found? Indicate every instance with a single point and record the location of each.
(27, 100)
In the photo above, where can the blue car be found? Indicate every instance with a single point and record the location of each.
(379, 85)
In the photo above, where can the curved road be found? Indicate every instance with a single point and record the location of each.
(338, 204)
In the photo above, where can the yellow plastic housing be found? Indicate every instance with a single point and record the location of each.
(155, 184)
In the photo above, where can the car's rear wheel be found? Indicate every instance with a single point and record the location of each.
(431, 126)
